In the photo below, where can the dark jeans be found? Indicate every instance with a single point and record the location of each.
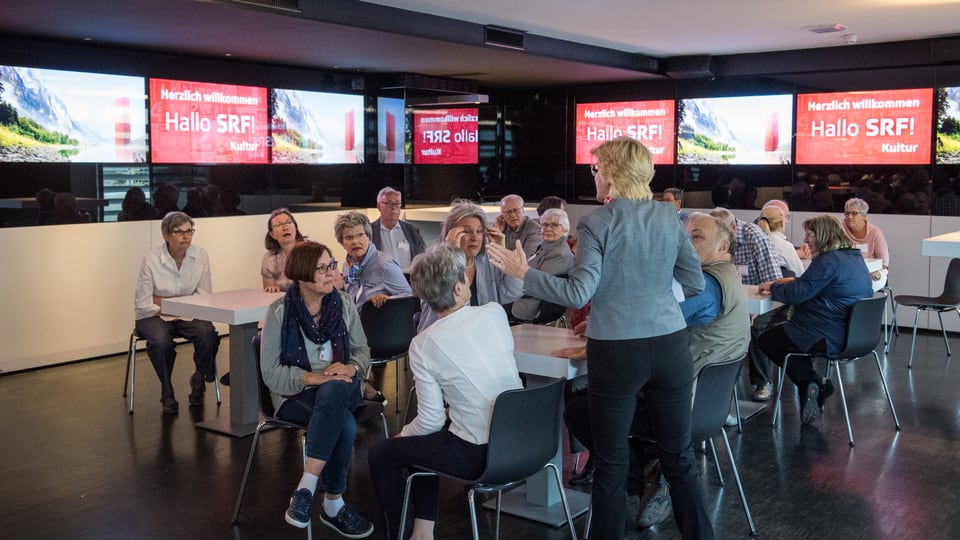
(618, 370)
(441, 451)
(759, 362)
(327, 411)
(776, 344)
(163, 351)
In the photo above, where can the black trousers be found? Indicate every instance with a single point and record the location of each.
(777, 344)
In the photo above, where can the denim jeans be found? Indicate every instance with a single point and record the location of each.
(163, 351)
(327, 411)
(662, 368)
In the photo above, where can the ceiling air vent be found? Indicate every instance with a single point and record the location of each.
(286, 5)
(496, 36)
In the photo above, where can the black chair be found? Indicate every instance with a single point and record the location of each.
(715, 387)
(551, 314)
(389, 330)
(523, 441)
(367, 411)
(949, 300)
(130, 377)
(863, 336)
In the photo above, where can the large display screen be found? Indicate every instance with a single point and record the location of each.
(391, 127)
(745, 130)
(884, 127)
(445, 136)
(650, 122)
(50, 115)
(195, 122)
(948, 125)
(316, 127)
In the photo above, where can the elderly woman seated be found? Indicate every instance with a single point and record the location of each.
(866, 237)
(821, 299)
(313, 357)
(553, 256)
(464, 359)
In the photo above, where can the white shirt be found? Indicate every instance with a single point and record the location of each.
(160, 276)
(395, 243)
(466, 360)
(788, 252)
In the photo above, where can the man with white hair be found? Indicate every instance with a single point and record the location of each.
(516, 226)
(392, 235)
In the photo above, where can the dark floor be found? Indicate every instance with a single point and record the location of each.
(74, 464)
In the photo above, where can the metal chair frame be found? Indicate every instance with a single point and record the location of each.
(130, 378)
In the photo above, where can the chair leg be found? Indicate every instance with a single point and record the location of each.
(736, 476)
(499, 508)
(781, 374)
(397, 367)
(563, 500)
(843, 400)
(586, 526)
(386, 431)
(406, 499)
(886, 390)
(216, 383)
(716, 462)
(131, 370)
(473, 514)
(944, 331)
(913, 342)
(303, 452)
(246, 471)
(736, 406)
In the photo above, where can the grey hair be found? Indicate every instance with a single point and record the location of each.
(857, 204)
(561, 215)
(506, 198)
(435, 272)
(723, 230)
(386, 191)
(351, 219)
(725, 216)
(676, 192)
(463, 208)
(173, 220)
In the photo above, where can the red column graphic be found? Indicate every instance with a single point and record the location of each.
(121, 129)
(391, 142)
(772, 139)
(348, 135)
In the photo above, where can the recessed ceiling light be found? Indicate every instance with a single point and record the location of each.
(825, 28)
(227, 54)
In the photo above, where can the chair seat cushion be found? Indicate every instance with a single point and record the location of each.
(930, 302)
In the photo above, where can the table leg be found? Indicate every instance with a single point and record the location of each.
(244, 387)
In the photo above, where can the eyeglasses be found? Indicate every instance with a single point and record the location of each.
(391, 204)
(324, 268)
(282, 224)
(352, 237)
(512, 211)
(183, 232)
(471, 232)
(550, 225)
(851, 214)
(595, 169)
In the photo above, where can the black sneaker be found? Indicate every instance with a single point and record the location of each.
(380, 398)
(197, 388)
(298, 513)
(170, 405)
(810, 405)
(826, 390)
(347, 522)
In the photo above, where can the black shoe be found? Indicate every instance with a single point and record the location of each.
(170, 405)
(826, 390)
(298, 513)
(197, 388)
(347, 522)
(809, 406)
(585, 478)
(379, 398)
(225, 379)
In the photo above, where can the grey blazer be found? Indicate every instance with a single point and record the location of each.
(412, 233)
(627, 256)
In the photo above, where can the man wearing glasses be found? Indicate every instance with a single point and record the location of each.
(516, 226)
(176, 268)
(392, 235)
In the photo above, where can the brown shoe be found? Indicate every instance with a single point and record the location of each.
(762, 393)
(170, 405)
(197, 388)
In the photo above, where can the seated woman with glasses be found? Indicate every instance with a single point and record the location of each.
(464, 359)
(553, 256)
(312, 357)
(176, 268)
(866, 237)
(282, 234)
(465, 228)
(821, 300)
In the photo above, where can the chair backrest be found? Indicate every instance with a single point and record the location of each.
(951, 284)
(549, 312)
(391, 327)
(524, 432)
(266, 403)
(864, 327)
(711, 400)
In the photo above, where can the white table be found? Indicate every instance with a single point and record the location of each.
(538, 498)
(242, 309)
(944, 245)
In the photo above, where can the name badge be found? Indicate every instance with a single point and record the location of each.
(403, 245)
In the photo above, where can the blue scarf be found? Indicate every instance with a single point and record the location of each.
(298, 323)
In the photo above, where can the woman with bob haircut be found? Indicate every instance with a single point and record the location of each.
(282, 234)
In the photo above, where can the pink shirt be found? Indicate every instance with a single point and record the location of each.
(872, 244)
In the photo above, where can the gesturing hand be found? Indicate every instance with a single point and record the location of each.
(513, 263)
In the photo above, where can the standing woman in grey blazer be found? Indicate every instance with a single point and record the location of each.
(629, 251)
